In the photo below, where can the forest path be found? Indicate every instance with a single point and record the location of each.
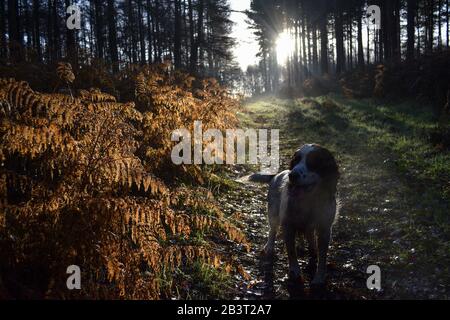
(381, 220)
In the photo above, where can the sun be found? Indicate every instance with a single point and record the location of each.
(285, 45)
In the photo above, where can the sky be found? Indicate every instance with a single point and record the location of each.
(246, 47)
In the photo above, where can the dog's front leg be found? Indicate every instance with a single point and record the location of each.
(323, 235)
(312, 250)
(289, 233)
(269, 248)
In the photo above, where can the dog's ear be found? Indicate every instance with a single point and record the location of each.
(330, 166)
(296, 158)
(331, 173)
(323, 162)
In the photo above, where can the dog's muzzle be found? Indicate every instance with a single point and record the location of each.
(296, 186)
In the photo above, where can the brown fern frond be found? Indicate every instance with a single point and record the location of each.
(95, 95)
(65, 72)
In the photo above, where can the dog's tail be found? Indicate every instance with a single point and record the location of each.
(261, 177)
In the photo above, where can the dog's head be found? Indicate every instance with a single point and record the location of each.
(313, 168)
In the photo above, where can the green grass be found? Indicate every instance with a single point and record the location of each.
(402, 130)
(399, 130)
(201, 281)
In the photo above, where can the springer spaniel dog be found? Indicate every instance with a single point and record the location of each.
(302, 200)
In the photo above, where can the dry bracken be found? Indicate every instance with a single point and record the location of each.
(82, 181)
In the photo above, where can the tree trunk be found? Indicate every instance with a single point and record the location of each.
(396, 52)
(185, 36)
(71, 45)
(308, 43)
(56, 32)
(380, 42)
(350, 44)
(304, 57)
(15, 43)
(149, 32)
(368, 46)
(323, 43)
(265, 72)
(193, 46)
(112, 36)
(314, 49)
(36, 30)
(157, 33)
(50, 44)
(274, 69)
(448, 27)
(132, 31)
(177, 36)
(339, 34)
(430, 36)
(27, 23)
(439, 25)
(141, 32)
(411, 18)
(3, 50)
(99, 28)
(157, 37)
(296, 62)
(386, 30)
(200, 44)
(419, 42)
(360, 40)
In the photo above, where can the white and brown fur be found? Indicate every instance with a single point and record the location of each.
(302, 200)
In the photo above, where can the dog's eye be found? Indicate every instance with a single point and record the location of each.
(321, 163)
(314, 162)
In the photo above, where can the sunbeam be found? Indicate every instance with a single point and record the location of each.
(285, 46)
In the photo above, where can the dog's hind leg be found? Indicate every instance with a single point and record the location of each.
(323, 235)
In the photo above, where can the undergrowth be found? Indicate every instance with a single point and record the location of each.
(86, 180)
